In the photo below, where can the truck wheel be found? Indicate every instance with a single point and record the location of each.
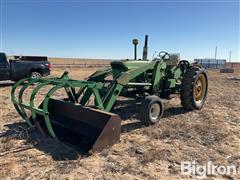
(151, 110)
(35, 75)
(194, 88)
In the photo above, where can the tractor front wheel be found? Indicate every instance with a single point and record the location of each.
(194, 88)
(151, 110)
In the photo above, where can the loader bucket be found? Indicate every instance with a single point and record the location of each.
(83, 128)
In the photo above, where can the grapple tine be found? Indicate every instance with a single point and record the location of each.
(20, 97)
(13, 97)
(18, 102)
(45, 108)
(32, 105)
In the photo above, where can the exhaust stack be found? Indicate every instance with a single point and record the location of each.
(145, 48)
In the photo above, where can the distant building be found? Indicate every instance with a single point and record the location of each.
(211, 63)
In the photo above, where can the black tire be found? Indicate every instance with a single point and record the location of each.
(146, 114)
(194, 93)
(35, 75)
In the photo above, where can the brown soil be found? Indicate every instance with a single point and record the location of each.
(211, 134)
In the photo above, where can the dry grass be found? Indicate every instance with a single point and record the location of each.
(144, 152)
(75, 73)
(77, 61)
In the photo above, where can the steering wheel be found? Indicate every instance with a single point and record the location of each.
(164, 55)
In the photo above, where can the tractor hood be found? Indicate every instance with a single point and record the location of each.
(125, 65)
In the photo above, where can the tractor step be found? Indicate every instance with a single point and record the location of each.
(139, 84)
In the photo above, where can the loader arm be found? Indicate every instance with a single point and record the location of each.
(125, 78)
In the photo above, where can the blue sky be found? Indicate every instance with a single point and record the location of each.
(105, 29)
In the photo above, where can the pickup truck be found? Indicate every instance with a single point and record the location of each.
(17, 69)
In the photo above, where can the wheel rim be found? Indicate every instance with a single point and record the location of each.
(154, 111)
(200, 88)
(34, 76)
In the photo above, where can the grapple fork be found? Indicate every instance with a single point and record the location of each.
(67, 120)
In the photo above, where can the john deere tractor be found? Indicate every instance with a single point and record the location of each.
(84, 119)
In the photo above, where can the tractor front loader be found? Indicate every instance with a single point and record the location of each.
(84, 119)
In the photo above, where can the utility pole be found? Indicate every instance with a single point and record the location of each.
(230, 56)
(145, 48)
(215, 52)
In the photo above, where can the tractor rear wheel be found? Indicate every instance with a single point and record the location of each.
(151, 110)
(194, 88)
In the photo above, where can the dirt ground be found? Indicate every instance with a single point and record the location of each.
(211, 134)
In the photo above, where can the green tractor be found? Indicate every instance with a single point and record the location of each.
(84, 119)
